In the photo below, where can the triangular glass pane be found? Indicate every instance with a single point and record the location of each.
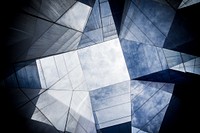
(79, 12)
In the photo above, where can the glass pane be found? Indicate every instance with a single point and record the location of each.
(103, 64)
(79, 12)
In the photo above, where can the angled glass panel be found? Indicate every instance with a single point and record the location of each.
(103, 64)
(154, 11)
(49, 70)
(152, 106)
(145, 25)
(141, 59)
(79, 12)
(54, 105)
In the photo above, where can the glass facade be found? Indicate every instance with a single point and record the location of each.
(74, 67)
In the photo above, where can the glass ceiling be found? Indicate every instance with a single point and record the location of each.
(80, 76)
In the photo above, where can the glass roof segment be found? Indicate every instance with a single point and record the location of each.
(80, 12)
(100, 26)
(111, 104)
(103, 64)
(186, 3)
(60, 72)
(149, 104)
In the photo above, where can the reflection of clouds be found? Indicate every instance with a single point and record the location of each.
(100, 66)
(78, 12)
(149, 106)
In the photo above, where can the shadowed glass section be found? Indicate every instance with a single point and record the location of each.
(77, 11)
(103, 64)
(111, 104)
(27, 75)
(146, 23)
(50, 10)
(149, 102)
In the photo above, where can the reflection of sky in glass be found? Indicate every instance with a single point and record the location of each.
(149, 105)
(103, 64)
(94, 79)
(78, 12)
